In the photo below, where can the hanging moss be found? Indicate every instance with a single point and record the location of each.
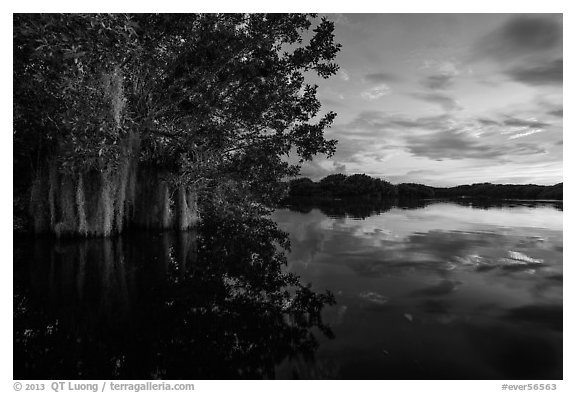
(166, 207)
(65, 212)
(131, 151)
(192, 203)
(120, 197)
(182, 209)
(102, 202)
(81, 207)
(105, 203)
(187, 208)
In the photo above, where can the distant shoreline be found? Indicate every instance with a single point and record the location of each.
(360, 185)
(477, 198)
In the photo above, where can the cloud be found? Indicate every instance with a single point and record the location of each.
(550, 73)
(525, 133)
(370, 136)
(521, 36)
(453, 145)
(515, 122)
(447, 145)
(488, 122)
(381, 77)
(376, 92)
(378, 136)
(344, 75)
(438, 82)
(315, 170)
(423, 123)
(513, 125)
(557, 112)
(445, 101)
(378, 124)
(445, 67)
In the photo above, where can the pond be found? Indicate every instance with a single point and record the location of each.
(369, 290)
(435, 290)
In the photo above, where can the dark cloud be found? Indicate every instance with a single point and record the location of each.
(488, 122)
(445, 101)
(514, 122)
(452, 145)
(557, 113)
(439, 122)
(540, 74)
(511, 121)
(378, 123)
(448, 145)
(521, 36)
(438, 82)
(381, 77)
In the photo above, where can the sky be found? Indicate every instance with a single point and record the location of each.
(446, 99)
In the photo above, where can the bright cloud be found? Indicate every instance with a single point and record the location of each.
(376, 92)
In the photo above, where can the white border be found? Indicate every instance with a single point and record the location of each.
(420, 6)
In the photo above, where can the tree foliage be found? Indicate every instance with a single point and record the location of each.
(361, 185)
(207, 96)
(340, 185)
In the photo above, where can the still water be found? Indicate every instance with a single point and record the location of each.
(439, 291)
(434, 290)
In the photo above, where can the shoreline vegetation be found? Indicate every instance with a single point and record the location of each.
(363, 186)
(149, 121)
(358, 194)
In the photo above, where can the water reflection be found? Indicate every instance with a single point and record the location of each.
(212, 304)
(435, 290)
(439, 290)
(363, 207)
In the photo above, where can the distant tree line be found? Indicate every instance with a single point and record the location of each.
(361, 185)
(502, 191)
(340, 185)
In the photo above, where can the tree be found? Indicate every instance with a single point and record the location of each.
(199, 100)
(332, 184)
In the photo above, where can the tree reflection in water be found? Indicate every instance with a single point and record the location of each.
(363, 207)
(211, 304)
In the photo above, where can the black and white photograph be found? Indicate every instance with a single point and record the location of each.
(205, 196)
